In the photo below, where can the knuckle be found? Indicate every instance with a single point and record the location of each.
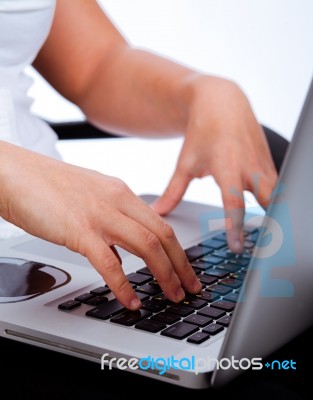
(186, 267)
(119, 187)
(111, 264)
(151, 241)
(187, 164)
(167, 231)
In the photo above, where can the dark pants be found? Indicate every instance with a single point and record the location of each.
(278, 146)
(28, 372)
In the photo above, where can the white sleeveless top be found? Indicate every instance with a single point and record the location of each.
(24, 26)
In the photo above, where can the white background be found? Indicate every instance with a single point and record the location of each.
(266, 46)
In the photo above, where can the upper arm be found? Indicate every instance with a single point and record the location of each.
(80, 38)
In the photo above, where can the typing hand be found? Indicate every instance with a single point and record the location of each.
(223, 139)
(90, 213)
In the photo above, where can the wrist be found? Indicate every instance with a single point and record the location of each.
(203, 94)
(5, 151)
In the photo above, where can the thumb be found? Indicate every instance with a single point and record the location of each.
(173, 193)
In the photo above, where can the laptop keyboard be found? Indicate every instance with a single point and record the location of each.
(198, 317)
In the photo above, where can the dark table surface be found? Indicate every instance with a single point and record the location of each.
(28, 372)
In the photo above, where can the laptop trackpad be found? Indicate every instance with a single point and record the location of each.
(21, 280)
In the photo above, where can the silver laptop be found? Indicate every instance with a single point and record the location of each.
(251, 304)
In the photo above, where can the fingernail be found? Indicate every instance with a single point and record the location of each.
(197, 286)
(237, 246)
(180, 294)
(135, 304)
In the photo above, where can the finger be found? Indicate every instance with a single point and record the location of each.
(262, 186)
(173, 193)
(104, 260)
(166, 235)
(135, 238)
(116, 253)
(232, 194)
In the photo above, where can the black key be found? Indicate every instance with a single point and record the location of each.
(145, 271)
(198, 338)
(149, 325)
(246, 255)
(100, 291)
(219, 289)
(153, 305)
(142, 296)
(154, 283)
(84, 298)
(195, 252)
(213, 244)
(208, 296)
(196, 270)
(129, 318)
(213, 329)
(199, 320)
(240, 261)
(225, 321)
(166, 318)
(250, 229)
(252, 236)
(231, 282)
(106, 310)
(207, 279)
(244, 261)
(69, 305)
(212, 259)
(211, 312)
(97, 300)
(217, 272)
(202, 265)
(180, 330)
(163, 298)
(151, 290)
(248, 244)
(194, 302)
(224, 253)
(221, 236)
(138, 279)
(224, 305)
(231, 297)
(241, 275)
(180, 310)
(228, 267)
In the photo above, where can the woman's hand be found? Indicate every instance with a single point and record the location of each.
(222, 139)
(129, 91)
(90, 213)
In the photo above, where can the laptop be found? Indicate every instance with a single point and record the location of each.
(250, 305)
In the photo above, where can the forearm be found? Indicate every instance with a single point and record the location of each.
(119, 88)
(5, 154)
(137, 92)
